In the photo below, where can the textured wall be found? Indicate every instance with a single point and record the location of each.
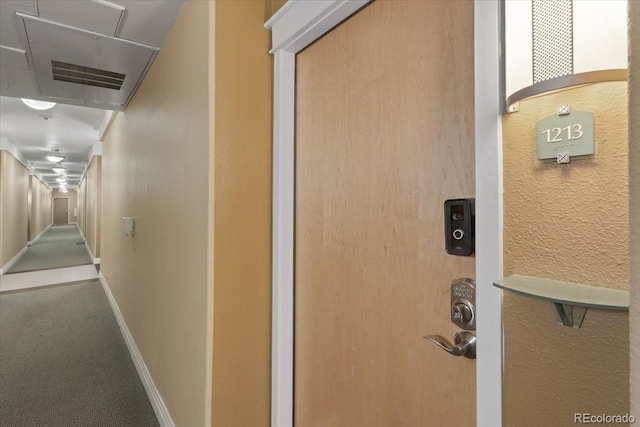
(89, 202)
(82, 202)
(566, 222)
(41, 207)
(275, 6)
(155, 168)
(93, 203)
(634, 190)
(14, 188)
(242, 295)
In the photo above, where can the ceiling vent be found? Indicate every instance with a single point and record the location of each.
(81, 75)
(76, 66)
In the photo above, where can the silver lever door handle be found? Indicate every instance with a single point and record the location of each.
(465, 344)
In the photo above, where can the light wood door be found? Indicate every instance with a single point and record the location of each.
(60, 211)
(384, 135)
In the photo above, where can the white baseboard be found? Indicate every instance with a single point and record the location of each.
(13, 260)
(38, 236)
(164, 418)
(93, 258)
(89, 250)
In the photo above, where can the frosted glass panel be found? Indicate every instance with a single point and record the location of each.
(599, 34)
(595, 39)
(519, 50)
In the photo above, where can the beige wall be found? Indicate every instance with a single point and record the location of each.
(156, 169)
(93, 204)
(89, 202)
(72, 195)
(634, 191)
(275, 6)
(14, 188)
(242, 295)
(41, 207)
(82, 205)
(566, 222)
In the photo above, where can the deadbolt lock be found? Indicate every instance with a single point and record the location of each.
(462, 312)
(463, 301)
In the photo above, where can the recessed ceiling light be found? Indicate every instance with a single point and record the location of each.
(38, 105)
(59, 168)
(54, 156)
(61, 179)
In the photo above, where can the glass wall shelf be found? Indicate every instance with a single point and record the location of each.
(570, 300)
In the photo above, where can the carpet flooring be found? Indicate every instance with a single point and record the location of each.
(63, 361)
(59, 246)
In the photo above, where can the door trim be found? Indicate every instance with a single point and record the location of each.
(295, 26)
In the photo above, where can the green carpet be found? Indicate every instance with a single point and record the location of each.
(59, 246)
(60, 234)
(63, 361)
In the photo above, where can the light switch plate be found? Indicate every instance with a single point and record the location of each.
(129, 226)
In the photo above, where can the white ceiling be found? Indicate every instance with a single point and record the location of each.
(73, 129)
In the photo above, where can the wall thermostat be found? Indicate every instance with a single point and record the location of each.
(459, 226)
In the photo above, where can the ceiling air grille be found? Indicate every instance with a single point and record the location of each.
(79, 74)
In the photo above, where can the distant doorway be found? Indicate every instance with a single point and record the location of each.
(60, 211)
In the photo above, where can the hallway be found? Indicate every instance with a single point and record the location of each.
(181, 211)
(58, 255)
(59, 246)
(154, 161)
(64, 360)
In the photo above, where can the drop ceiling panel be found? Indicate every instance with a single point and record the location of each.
(18, 83)
(147, 21)
(95, 16)
(58, 43)
(13, 58)
(9, 34)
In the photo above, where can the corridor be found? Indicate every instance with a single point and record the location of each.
(254, 213)
(146, 152)
(58, 255)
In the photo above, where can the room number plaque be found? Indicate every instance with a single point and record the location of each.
(569, 133)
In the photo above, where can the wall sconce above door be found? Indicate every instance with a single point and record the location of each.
(551, 45)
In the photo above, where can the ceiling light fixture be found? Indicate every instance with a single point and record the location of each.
(38, 105)
(560, 44)
(59, 168)
(64, 190)
(54, 156)
(61, 179)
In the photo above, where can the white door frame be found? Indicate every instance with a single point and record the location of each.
(295, 26)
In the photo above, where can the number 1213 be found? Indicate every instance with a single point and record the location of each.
(555, 134)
